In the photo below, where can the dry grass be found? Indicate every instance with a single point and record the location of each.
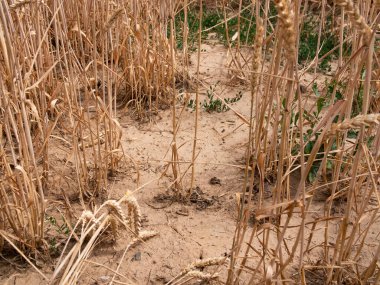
(353, 177)
(67, 68)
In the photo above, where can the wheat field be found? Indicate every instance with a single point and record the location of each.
(132, 126)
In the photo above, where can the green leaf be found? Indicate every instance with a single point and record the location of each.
(320, 104)
(309, 147)
(329, 165)
(296, 118)
(284, 103)
(315, 90)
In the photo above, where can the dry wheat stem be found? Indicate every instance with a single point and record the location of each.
(74, 261)
(144, 235)
(356, 18)
(196, 266)
(357, 122)
(196, 118)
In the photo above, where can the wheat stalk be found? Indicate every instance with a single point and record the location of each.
(356, 18)
(86, 218)
(207, 262)
(114, 208)
(257, 50)
(96, 223)
(144, 235)
(201, 275)
(286, 17)
(355, 123)
(21, 3)
(116, 215)
(134, 213)
(193, 270)
(113, 18)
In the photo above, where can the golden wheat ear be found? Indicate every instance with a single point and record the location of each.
(134, 213)
(357, 20)
(286, 17)
(357, 122)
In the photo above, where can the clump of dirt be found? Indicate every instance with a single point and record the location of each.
(201, 200)
(197, 197)
(315, 276)
(318, 276)
(272, 219)
(215, 181)
(165, 198)
(267, 191)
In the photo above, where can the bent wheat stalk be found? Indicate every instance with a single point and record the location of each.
(356, 18)
(357, 122)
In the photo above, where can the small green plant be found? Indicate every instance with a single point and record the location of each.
(213, 105)
(212, 20)
(317, 163)
(352, 134)
(53, 248)
(191, 104)
(308, 45)
(339, 89)
(61, 229)
(357, 104)
(311, 119)
(217, 105)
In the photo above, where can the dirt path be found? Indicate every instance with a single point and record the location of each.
(186, 232)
